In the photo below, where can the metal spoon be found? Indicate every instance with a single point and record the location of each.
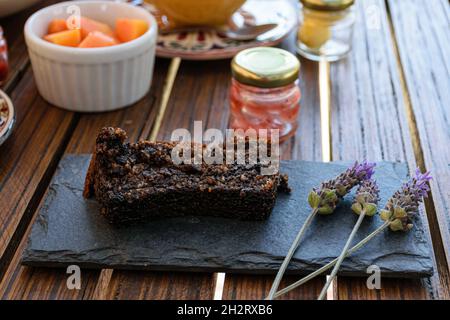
(241, 34)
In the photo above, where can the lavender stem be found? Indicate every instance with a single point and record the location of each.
(333, 262)
(342, 255)
(291, 252)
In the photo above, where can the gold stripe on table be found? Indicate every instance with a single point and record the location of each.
(325, 127)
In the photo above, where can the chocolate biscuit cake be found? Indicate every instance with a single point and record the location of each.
(136, 181)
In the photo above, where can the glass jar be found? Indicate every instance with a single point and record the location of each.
(326, 29)
(264, 91)
(3, 57)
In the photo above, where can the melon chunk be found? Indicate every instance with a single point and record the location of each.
(71, 38)
(97, 39)
(130, 29)
(89, 25)
(57, 25)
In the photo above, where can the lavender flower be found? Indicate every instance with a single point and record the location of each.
(365, 203)
(366, 198)
(398, 214)
(404, 204)
(327, 196)
(323, 201)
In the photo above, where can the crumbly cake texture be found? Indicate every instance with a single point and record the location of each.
(136, 181)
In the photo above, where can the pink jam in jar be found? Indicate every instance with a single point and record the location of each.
(264, 90)
(3, 58)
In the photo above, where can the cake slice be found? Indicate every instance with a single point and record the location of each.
(136, 181)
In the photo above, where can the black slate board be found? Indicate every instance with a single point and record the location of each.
(69, 230)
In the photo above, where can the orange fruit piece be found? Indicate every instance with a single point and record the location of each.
(89, 25)
(97, 39)
(130, 29)
(57, 25)
(70, 38)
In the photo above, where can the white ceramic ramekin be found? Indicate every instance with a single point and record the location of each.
(91, 79)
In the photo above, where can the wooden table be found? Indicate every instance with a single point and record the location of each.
(390, 100)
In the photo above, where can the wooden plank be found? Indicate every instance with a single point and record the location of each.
(30, 155)
(369, 122)
(160, 285)
(391, 289)
(198, 98)
(27, 161)
(24, 164)
(36, 283)
(423, 42)
(42, 284)
(256, 287)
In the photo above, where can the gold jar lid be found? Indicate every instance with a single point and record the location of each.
(327, 5)
(265, 67)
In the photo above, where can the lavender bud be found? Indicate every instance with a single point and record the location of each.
(366, 198)
(404, 204)
(328, 195)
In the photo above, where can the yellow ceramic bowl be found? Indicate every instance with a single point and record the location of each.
(198, 12)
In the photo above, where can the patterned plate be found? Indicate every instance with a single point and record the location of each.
(209, 45)
(6, 116)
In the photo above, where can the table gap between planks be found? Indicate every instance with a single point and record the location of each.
(388, 102)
